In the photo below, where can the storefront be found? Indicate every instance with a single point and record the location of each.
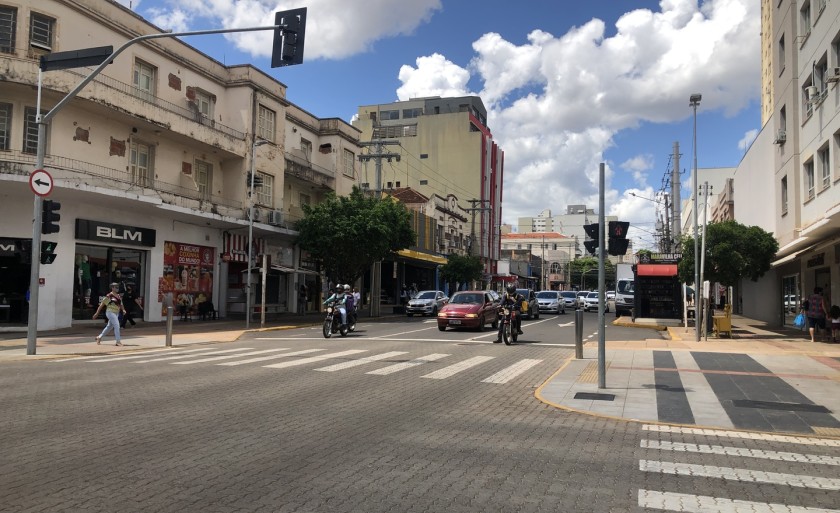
(235, 261)
(15, 264)
(657, 286)
(187, 277)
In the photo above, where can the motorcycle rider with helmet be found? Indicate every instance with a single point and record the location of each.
(513, 300)
(349, 302)
(339, 298)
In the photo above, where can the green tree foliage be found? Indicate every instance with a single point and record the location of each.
(585, 270)
(347, 234)
(733, 251)
(460, 269)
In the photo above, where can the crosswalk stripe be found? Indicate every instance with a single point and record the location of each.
(822, 442)
(109, 356)
(230, 356)
(740, 452)
(318, 358)
(122, 358)
(703, 504)
(182, 356)
(407, 365)
(271, 357)
(507, 374)
(739, 474)
(360, 361)
(458, 367)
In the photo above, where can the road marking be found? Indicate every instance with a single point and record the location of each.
(384, 337)
(703, 504)
(272, 357)
(458, 367)
(741, 452)
(179, 357)
(567, 324)
(360, 361)
(823, 442)
(311, 359)
(407, 365)
(442, 340)
(739, 474)
(112, 356)
(119, 357)
(229, 356)
(505, 375)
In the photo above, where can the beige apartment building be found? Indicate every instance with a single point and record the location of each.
(150, 164)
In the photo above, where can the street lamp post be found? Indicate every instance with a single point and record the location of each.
(257, 142)
(694, 101)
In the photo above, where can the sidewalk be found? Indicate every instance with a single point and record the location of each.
(763, 379)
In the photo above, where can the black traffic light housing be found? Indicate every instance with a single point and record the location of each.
(48, 252)
(287, 49)
(258, 181)
(50, 217)
(618, 241)
(593, 233)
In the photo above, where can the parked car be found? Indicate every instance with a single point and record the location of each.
(426, 302)
(533, 310)
(610, 295)
(551, 301)
(570, 298)
(591, 302)
(469, 309)
(581, 296)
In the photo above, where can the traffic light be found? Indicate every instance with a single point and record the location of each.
(592, 231)
(48, 252)
(50, 217)
(618, 241)
(288, 37)
(258, 181)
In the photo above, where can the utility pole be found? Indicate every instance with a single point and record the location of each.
(473, 209)
(376, 269)
(676, 205)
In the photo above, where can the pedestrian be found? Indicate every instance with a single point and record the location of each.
(835, 323)
(129, 300)
(113, 305)
(302, 298)
(817, 312)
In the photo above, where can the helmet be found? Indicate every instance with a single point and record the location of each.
(346, 288)
(339, 288)
(511, 289)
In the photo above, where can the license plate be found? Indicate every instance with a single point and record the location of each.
(454, 321)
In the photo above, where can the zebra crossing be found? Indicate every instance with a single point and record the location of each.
(284, 357)
(823, 473)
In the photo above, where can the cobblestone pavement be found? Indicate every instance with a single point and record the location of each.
(329, 429)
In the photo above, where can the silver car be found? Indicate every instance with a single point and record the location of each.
(570, 298)
(426, 302)
(551, 301)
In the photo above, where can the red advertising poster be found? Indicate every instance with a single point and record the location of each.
(188, 275)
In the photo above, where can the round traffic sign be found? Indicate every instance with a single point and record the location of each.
(40, 182)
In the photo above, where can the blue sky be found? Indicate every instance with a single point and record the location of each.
(567, 84)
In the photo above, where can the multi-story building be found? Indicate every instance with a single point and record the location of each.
(554, 250)
(150, 164)
(445, 148)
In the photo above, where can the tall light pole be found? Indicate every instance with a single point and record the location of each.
(694, 101)
(257, 142)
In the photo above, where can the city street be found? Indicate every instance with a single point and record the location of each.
(395, 417)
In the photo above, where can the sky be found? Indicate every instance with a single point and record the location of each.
(567, 84)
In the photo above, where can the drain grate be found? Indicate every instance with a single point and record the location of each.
(592, 396)
(771, 405)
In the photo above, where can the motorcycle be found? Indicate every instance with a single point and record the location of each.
(332, 323)
(507, 331)
(351, 320)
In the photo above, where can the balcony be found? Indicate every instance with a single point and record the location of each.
(306, 171)
(94, 175)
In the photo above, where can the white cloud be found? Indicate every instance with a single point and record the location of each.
(585, 87)
(174, 20)
(637, 167)
(748, 139)
(434, 75)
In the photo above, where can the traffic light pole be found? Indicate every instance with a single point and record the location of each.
(602, 353)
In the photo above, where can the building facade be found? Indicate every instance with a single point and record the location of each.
(554, 251)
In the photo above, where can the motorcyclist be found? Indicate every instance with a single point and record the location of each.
(350, 302)
(339, 298)
(513, 300)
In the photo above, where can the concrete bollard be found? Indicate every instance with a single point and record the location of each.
(578, 334)
(169, 314)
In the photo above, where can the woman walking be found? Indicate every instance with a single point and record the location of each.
(113, 307)
(817, 310)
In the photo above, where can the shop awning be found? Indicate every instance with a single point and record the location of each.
(289, 270)
(236, 247)
(426, 257)
(656, 270)
(505, 277)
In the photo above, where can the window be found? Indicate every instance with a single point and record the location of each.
(8, 21)
(306, 148)
(389, 114)
(144, 80)
(412, 113)
(784, 196)
(204, 102)
(266, 124)
(805, 19)
(204, 179)
(41, 30)
(825, 167)
(821, 73)
(820, 7)
(394, 131)
(808, 172)
(783, 118)
(30, 130)
(781, 54)
(5, 125)
(265, 192)
(305, 199)
(141, 158)
(349, 160)
(807, 102)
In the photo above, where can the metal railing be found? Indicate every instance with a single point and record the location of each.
(300, 168)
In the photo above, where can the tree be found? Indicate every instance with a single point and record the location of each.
(733, 251)
(459, 269)
(347, 234)
(584, 272)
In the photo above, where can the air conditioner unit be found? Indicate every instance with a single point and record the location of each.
(811, 92)
(275, 217)
(256, 217)
(781, 136)
(833, 74)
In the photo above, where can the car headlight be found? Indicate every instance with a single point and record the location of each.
(441, 314)
(471, 316)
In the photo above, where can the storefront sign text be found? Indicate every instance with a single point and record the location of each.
(108, 232)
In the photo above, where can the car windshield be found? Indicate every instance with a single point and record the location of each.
(426, 294)
(625, 287)
(569, 294)
(467, 299)
(547, 294)
(592, 295)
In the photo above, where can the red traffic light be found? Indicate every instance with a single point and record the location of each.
(618, 229)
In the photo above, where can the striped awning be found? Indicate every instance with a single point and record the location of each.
(237, 247)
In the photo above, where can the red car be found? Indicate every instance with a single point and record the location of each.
(469, 309)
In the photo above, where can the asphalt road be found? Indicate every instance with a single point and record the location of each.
(396, 417)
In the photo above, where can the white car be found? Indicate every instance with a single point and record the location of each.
(551, 301)
(426, 302)
(591, 303)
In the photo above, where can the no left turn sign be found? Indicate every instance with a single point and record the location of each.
(40, 182)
